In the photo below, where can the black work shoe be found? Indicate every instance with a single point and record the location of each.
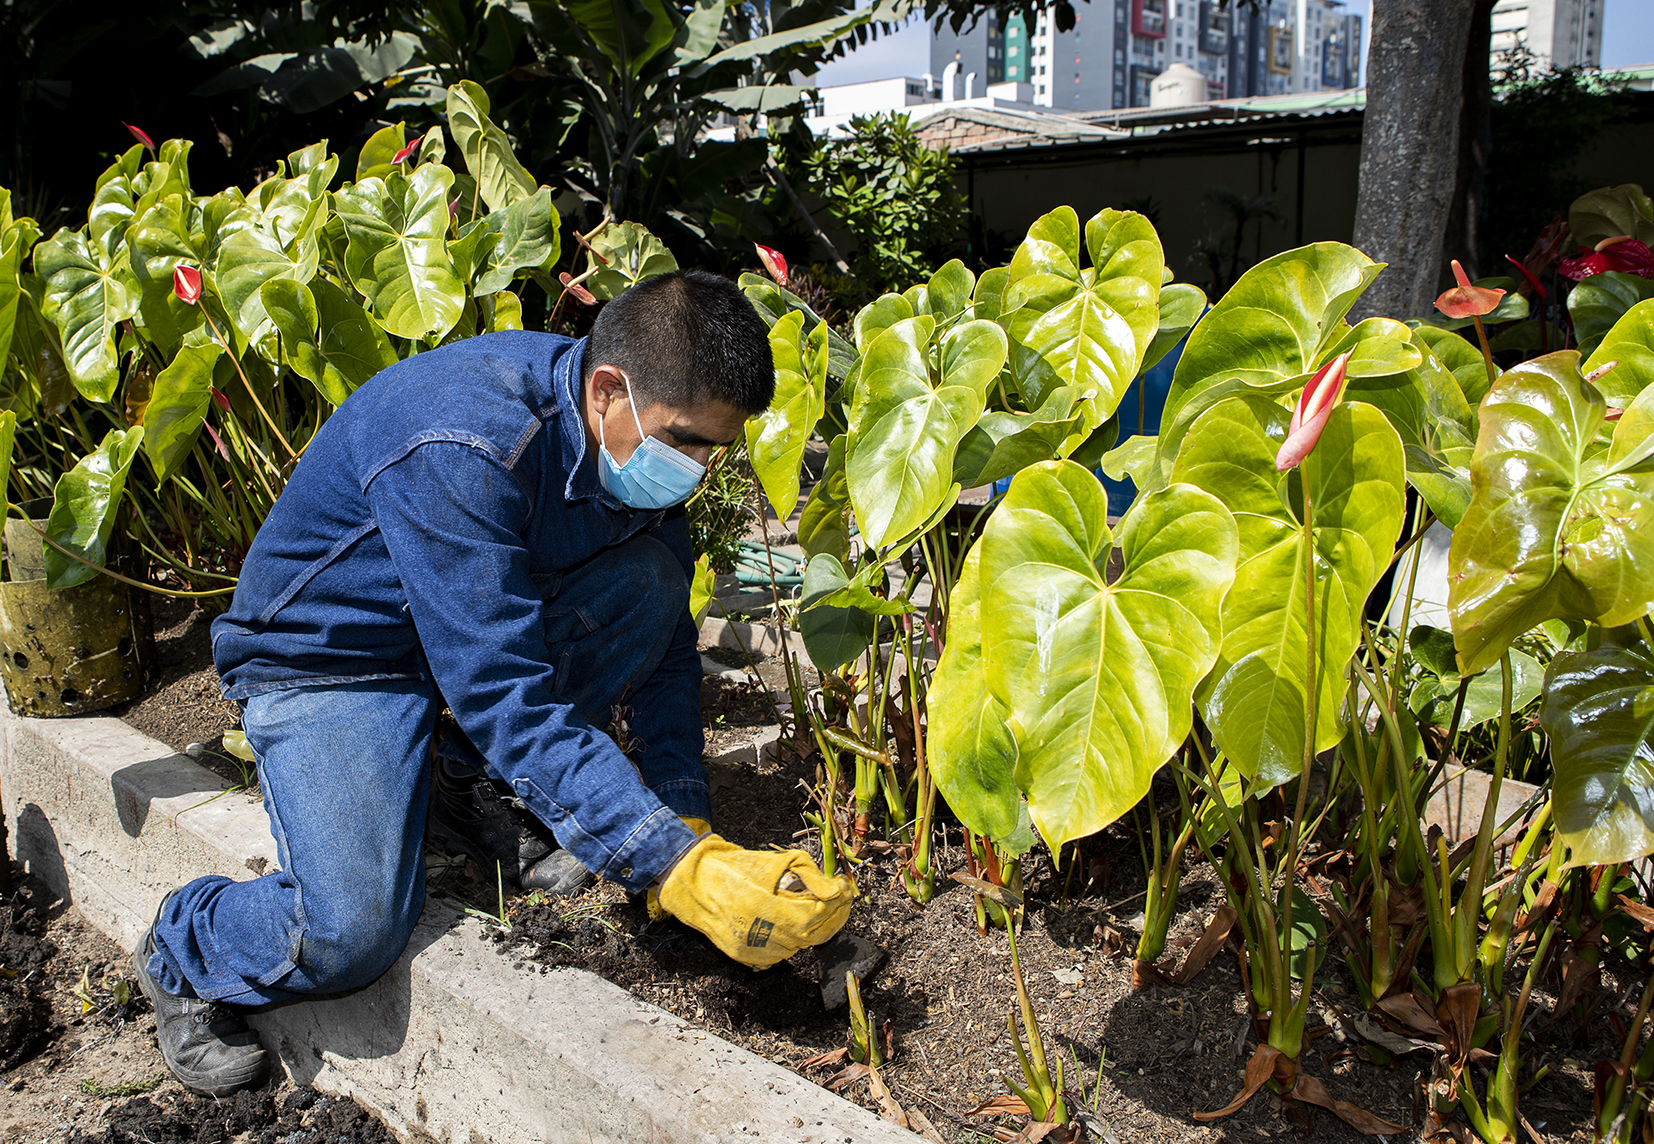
(483, 819)
(207, 1046)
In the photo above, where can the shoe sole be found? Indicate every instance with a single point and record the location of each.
(192, 1081)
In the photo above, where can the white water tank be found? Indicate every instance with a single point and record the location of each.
(1178, 86)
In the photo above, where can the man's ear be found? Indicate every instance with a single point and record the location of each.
(606, 384)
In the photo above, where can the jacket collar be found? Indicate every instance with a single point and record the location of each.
(568, 373)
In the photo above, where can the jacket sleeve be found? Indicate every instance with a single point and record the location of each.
(666, 714)
(452, 519)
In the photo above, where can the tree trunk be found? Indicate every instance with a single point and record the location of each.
(1410, 148)
(1464, 225)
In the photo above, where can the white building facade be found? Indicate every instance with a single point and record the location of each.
(1111, 56)
(1560, 33)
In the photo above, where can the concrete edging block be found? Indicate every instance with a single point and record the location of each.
(451, 1042)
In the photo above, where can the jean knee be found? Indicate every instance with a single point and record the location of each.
(344, 949)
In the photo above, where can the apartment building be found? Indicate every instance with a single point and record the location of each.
(1561, 33)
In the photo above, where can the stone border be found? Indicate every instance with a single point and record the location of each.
(451, 1042)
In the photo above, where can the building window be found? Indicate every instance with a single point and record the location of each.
(1013, 51)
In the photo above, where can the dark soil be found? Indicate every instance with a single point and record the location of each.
(1139, 1063)
(69, 1075)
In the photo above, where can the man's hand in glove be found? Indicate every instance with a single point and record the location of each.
(759, 907)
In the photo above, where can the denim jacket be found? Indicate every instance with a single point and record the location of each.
(417, 537)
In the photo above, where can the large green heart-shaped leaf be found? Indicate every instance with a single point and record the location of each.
(398, 252)
(1460, 358)
(1610, 212)
(1002, 443)
(772, 301)
(1098, 677)
(823, 523)
(374, 160)
(832, 636)
(1599, 716)
(15, 243)
(528, 240)
(968, 739)
(157, 243)
(1274, 327)
(1255, 699)
(776, 437)
(878, 316)
(178, 404)
(327, 338)
(84, 503)
(950, 291)
(1181, 306)
(1089, 329)
(1600, 301)
(1557, 527)
(903, 434)
(88, 295)
(258, 254)
(501, 179)
(633, 254)
(1630, 343)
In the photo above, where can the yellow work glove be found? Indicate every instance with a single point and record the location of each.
(759, 907)
(651, 899)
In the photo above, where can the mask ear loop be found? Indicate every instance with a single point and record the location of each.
(631, 403)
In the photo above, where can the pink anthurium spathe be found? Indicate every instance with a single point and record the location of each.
(407, 152)
(1622, 253)
(220, 400)
(186, 283)
(1534, 283)
(140, 136)
(774, 262)
(581, 294)
(1467, 300)
(1316, 404)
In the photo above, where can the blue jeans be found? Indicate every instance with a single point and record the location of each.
(346, 775)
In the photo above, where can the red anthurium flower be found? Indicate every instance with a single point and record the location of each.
(1314, 407)
(580, 293)
(216, 440)
(1537, 286)
(408, 151)
(453, 207)
(186, 283)
(1622, 253)
(220, 400)
(140, 136)
(773, 262)
(1467, 300)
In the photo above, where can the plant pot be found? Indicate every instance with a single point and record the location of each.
(68, 651)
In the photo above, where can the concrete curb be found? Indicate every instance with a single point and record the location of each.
(451, 1042)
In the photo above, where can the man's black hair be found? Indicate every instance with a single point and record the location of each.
(684, 338)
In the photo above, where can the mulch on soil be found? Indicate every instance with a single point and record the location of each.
(69, 1076)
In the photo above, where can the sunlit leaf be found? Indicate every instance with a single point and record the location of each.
(501, 179)
(177, 405)
(84, 505)
(832, 636)
(398, 254)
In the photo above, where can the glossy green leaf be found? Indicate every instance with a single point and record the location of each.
(1485, 697)
(988, 298)
(258, 254)
(878, 316)
(824, 522)
(949, 291)
(776, 437)
(374, 161)
(85, 501)
(1554, 530)
(1460, 358)
(8, 437)
(1181, 306)
(702, 584)
(859, 593)
(1629, 343)
(501, 179)
(903, 434)
(773, 302)
(503, 310)
(973, 353)
(832, 636)
(398, 253)
(1610, 212)
(178, 404)
(156, 244)
(1256, 697)
(968, 740)
(1003, 443)
(12, 253)
(1274, 327)
(528, 240)
(633, 253)
(1600, 301)
(1098, 677)
(327, 338)
(87, 297)
(1599, 716)
(472, 248)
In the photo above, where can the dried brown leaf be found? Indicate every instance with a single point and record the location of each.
(921, 1124)
(1259, 1069)
(845, 1077)
(1004, 1105)
(833, 1057)
(1210, 942)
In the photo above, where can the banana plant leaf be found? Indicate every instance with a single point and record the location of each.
(1558, 527)
(833, 636)
(1598, 303)
(1630, 344)
(1271, 331)
(904, 433)
(1598, 713)
(968, 740)
(501, 179)
(84, 504)
(1098, 677)
(177, 406)
(398, 253)
(87, 297)
(777, 436)
(1255, 700)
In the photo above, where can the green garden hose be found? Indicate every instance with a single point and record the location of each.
(751, 566)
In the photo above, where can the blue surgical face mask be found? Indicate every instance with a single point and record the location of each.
(654, 476)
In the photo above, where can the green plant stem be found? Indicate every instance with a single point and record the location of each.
(1614, 1096)
(157, 589)
(1487, 353)
(235, 361)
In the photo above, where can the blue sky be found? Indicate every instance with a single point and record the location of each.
(1628, 38)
